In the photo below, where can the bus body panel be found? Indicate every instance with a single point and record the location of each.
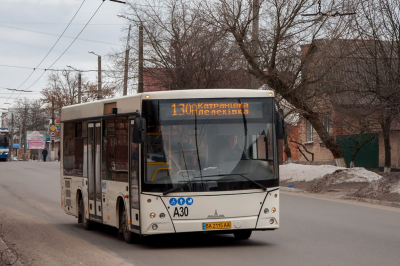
(271, 201)
(243, 210)
(111, 191)
(70, 187)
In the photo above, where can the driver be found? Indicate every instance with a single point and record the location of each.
(232, 152)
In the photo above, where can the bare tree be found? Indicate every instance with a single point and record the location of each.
(183, 51)
(28, 116)
(377, 29)
(62, 90)
(275, 58)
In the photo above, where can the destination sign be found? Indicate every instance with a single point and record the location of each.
(203, 109)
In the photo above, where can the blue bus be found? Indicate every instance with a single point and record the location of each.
(4, 144)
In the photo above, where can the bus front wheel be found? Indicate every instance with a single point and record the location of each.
(242, 235)
(123, 225)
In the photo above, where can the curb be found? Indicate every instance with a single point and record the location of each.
(289, 189)
(3, 247)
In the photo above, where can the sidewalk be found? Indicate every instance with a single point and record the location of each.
(3, 247)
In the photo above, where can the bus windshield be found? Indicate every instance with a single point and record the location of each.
(230, 147)
(3, 139)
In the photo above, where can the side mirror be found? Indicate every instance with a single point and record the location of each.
(280, 127)
(138, 130)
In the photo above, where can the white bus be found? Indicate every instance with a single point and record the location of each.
(173, 162)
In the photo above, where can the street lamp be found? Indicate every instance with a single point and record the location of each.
(79, 83)
(141, 85)
(99, 92)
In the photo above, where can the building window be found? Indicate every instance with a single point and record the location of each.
(309, 132)
(326, 123)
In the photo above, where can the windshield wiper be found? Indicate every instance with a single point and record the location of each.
(242, 175)
(175, 188)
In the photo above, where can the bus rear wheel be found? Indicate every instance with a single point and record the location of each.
(242, 235)
(123, 225)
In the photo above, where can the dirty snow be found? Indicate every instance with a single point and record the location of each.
(299, 172)
(396, 188)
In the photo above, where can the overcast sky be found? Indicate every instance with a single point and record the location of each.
(22, 45)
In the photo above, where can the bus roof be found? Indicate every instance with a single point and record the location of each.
(132, 103)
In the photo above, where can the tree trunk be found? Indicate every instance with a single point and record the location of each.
(385, 125)
(329, 141)
(352, 164)
(287, 150)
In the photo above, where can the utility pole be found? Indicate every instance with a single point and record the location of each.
(126, 62)
(79, 87)
(99, 92)
(141, 85)
(255, 34)
(52, 123)
(24, 131)
(12, 137)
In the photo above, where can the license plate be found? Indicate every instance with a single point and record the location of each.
(222, 225)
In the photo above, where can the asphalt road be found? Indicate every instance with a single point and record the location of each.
(313, 232)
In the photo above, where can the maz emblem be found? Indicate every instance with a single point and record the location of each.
(216, 215)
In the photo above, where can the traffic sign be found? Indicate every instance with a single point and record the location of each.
(52, 127)
(52, 134)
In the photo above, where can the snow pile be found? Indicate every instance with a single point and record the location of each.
(358, 174)
(396, 188)
(380, 188)
(300, 172)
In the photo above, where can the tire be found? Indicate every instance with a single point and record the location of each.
(87, 225)
(81, 209)
(123, 225)
(242, 235)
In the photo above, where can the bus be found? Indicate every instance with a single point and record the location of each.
(173, 162)
(4, 144)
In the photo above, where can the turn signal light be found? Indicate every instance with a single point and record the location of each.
(152, 215)
(273, 210)
(62, 202)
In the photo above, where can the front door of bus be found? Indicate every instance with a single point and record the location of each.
(134, 180)
(94, 155)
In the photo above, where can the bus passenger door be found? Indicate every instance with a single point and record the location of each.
(94, 155)
(134, 176)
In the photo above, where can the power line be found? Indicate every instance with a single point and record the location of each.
(53, 69)
(65, 49)
(61, 23)
(50, 50)
(52, 34)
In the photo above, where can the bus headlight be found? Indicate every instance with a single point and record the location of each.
(152, 215)
(266, 211)
(271, 221)
(162, 215)
(154, 227)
